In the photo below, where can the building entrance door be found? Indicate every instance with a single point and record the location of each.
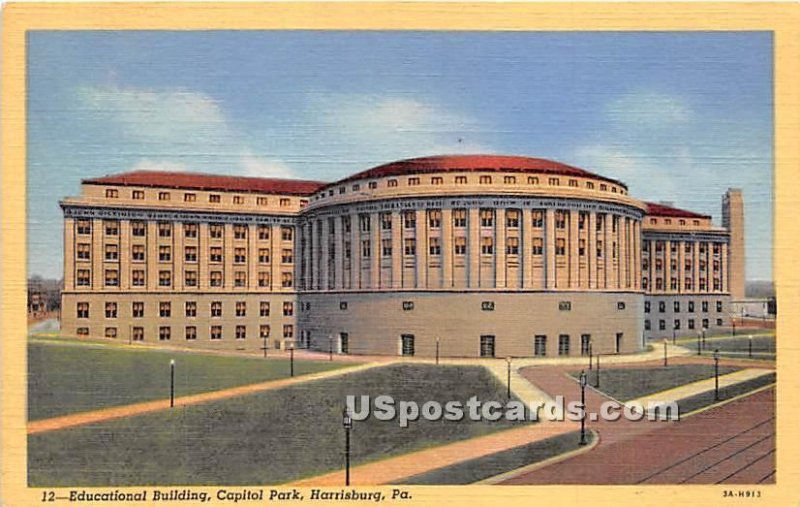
(407, 344)
(487, 345)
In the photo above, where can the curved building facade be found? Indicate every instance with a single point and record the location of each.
(489, 255)
(465, 255)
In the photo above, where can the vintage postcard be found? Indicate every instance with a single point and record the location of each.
(294, 253)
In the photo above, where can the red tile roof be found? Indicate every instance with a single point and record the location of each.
(197, 181)
(661, 210)
(472, 163)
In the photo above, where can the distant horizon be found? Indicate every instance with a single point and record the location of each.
(677, 116)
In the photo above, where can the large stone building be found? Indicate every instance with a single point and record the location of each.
(482, 255)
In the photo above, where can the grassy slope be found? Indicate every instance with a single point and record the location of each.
(626, 384)
(270, 437)
(69, 378)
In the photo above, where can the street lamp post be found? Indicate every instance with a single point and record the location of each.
(171, 383)
(265, 346)
(330, 347)
(583, 409)
(716, 374)
(733, 323)
(704, 338)
(665, 352)
(597, 378)
(750, 346)
(508, 364)
(347, 422)
(291, 360)
(590, 356)
(437, 350)
(673, 336)
(698, 343)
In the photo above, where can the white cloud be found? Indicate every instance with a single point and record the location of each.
(159, 165)
(646, 109)
(265, 168)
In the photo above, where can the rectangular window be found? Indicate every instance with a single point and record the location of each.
(386, 247)
(461, 180)
(263, 309)
(238, 199)
(509, 180)
(111, 310)
(407, 344)
(286, 280)
(264, 279)
(512, 246)
(83, 252)
(365, 248)
(561, 219)
(582, 247)
(190, 308)
(263, 255)
(719, 306)
(691, 306)
(286, 233)
(215, 231)
(409, 219)
(239, 232)
(138, 334)
(112, 193)
(537, 217)
(288, 331)
(487, 217)
(563, 345)
(413, 181)
(163, 196)
(190, 333)
(112, 252)
(241, 332)
(287, 256)
(263, 331)
(164, 333)
(111, 332)
(112, 278)
(240, 279)
(214, 198)
(164, 229)
(410, 246)
(164, 278)
(487, 245)
(538, 246)
(164, 253)
(704, 306)
(437, 180)
(215, 279)
(84, 226)
(434, 247)
(662, 325)
(676, 324)
(189, 197)
(647, 307)
(512, 218)
(263, 232)
(676, 306)
(434, 218)
(216, 254)
(190, 254)
(216, 308)
(137, 309)
(586, 339)
(288, 309)
(111, 227)
(662, 307)
(241, 309)
(540, 345)
(137, 278)
(83, 310)
(190, 230)
(487, 346)
(485, 180)
(138, 229)
(83, 278)
(459, 218)
(137, 195)
(386, 221)
(284, 202)
(561, 246)
(460, 245)
(239, 255)
(164, 309)
(216, 332)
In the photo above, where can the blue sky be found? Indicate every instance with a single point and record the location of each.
(678, 116)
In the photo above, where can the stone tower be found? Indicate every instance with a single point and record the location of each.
(733, 220)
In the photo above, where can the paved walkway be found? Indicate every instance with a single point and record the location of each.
(392, 470)
(107, 414)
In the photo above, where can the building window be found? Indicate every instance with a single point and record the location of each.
(216, 308)
(284, 202)
(460, 245)
(512, 246)
(163, 196)
(561, 219)
(437, 180)
(112, 193)
(410, 246)
(83, 252)
(83, 278)
(215, 231)
(286, 233)
(662, 325)
(216, 254)
(687, 283)
(459, 218)
(691, 306)
(589, 185)
(487, 217)
(82, 310)
(386, 247)
(138, 229)
(263, 255)
(620, 305)
(414, 181)
(510, 180)
(111, 227)
(137, 195)
(216, 332)
(434, 218)
(647, 307)
(164, 333)
(190, 308)
(676, 306)
(263, 309)
(563, 345)
(409, 219)
(540, 345)
(705, 323)
(365, 248)
(238, 199)
(137, 309)
(137, 278)
(704, 306)
(676, 324)
(84, 226)
(647, 325)
(138, 334)
(537, 217)
(288, 309)
(263, 279)
(287, 256)
(461, 180)
(690, 323)
(582, 247)
(533, 180)
(190, 333)
(512, 218)
(565, 306)
(288, 330)
(190, 230)
(719, 306)
(485, 180)
(239, 232)
(239, 255)
(215, 279)
(189, 197)
(164, 230)
(391, 183)
(538, 246)
(586, 340)
(487, 245)
(241, 309)
(263, 232)
(190, 254)
(561, 246)
(662, 307)
(286, 280)
(263, 331)
(553, 182)
(164, 278)
(240, 279)
(112, 252)
(719, 322)
(112, 278)
(408, 305)
(111, 310)
(164, 253)
(487, 346)
(241, 332)
(111, 332)
(573, 183)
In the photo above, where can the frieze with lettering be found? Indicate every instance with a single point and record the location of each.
(73, 211)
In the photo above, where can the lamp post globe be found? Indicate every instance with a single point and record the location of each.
(347, 423)
(508, 372)
(583, 408)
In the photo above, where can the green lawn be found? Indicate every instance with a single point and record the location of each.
(763, 347)
(701, 400)
(625, 384)
(478, 469)
(265, 438)
(68, 378)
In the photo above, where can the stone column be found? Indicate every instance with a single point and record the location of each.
(375, 247)
(98, 254)
(624, 258)
(500, 262)
(306, 268)
(151, 255)
(421, 259)
(550, 248)
(228, 256)
(177, 256)
(572, 250)
(591, 255)
(325, 259)
(252, 256)
(124, 255)
(667, 266)
(474, 248)
(637, 255)
(397, 249)
(355, 252)
(608, 254)
(338, 257)
(723, 264)
(526, 248)
(447, 248)
(275, 240)
(681, 266)
(696, 266)
(202, 256)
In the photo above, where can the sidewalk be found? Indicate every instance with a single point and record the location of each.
(106, 414)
